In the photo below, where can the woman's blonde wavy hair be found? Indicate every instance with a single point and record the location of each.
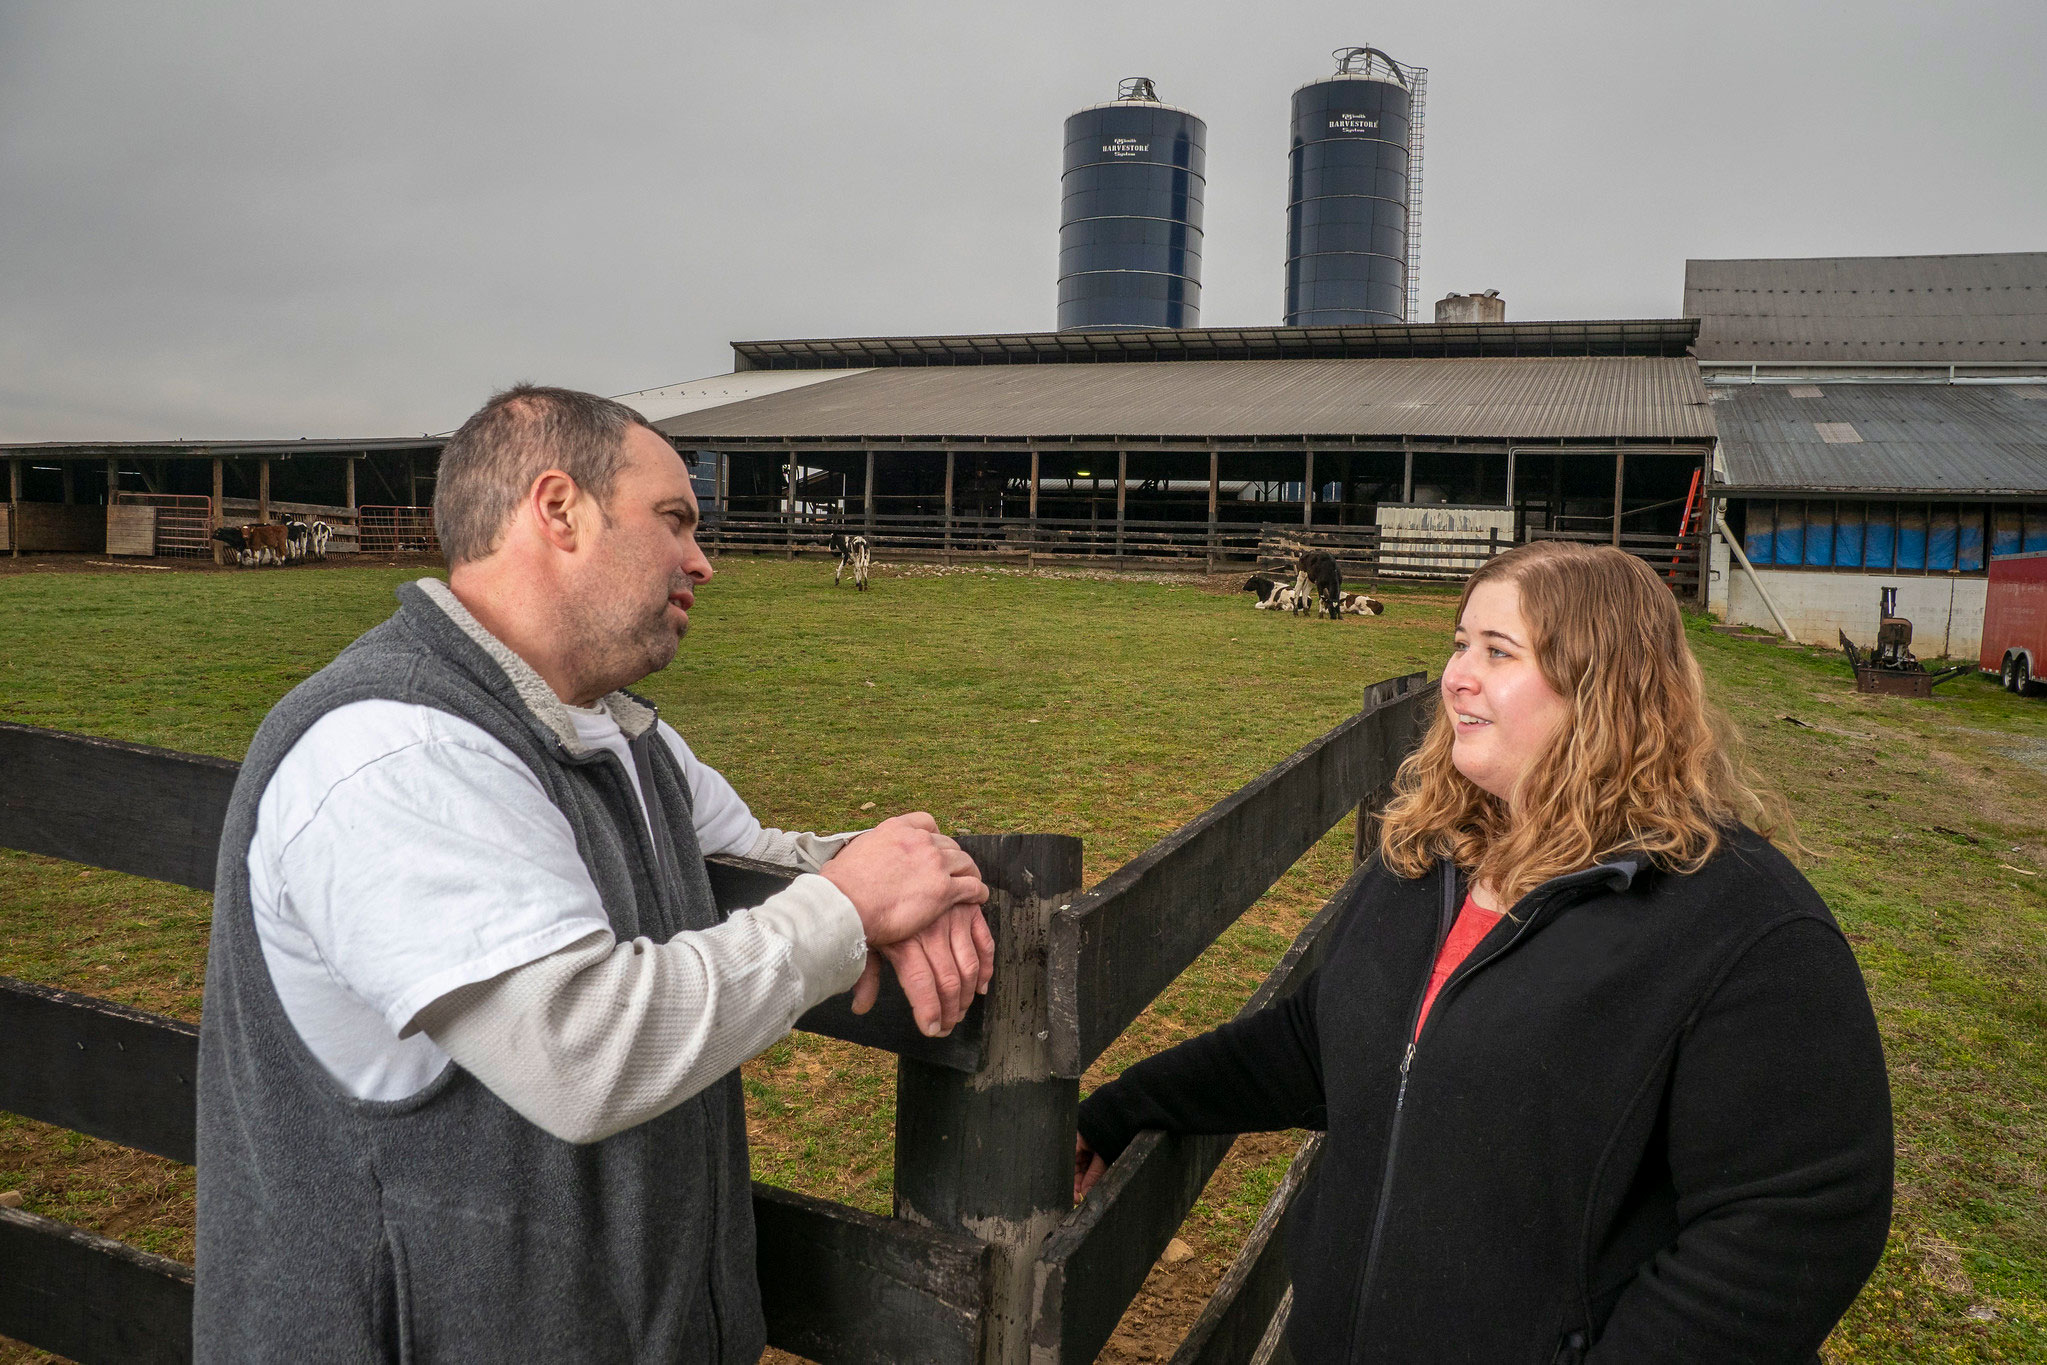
(1640, 762)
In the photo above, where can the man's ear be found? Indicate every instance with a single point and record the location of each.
(557, 508)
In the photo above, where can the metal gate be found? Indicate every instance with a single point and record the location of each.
(184, 524)
(398, 530)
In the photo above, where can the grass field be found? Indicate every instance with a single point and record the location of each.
(1115, 710)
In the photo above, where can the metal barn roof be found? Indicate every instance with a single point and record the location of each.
(1876, 438)
(187, 450)
(673, 400)
(1602, 337)
(1537, 398)
(1946, 309)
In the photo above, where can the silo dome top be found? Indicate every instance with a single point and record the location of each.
(1138, 90)
(1366, 64)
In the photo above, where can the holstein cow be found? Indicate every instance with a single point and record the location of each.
(1282, 599)
(233, 541)
(298, 538)
(321, 531)
(1357, 604)
(850, 550)
(1265, 585)
(1317, 569)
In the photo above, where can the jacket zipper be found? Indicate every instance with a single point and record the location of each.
(1399, 1103)
(1546, 891)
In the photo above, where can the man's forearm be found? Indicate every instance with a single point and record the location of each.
(601, 1035)
(797, 849)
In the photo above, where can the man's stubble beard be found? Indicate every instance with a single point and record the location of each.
(614, 643)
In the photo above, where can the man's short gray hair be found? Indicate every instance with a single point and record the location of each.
(489, 463)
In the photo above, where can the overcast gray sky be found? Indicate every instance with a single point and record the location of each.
(232, 218)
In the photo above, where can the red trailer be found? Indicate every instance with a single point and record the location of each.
(2015, 622)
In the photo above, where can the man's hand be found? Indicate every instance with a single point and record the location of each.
(919, 897)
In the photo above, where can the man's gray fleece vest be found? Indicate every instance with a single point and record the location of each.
(445, 1227)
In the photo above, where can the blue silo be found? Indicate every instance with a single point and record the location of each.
(1353, 196)
(1130, 214)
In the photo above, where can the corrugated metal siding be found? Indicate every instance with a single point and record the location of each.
(1535, 398)
(1949, 309)
(1934, 438)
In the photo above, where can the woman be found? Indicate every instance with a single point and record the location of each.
(1599, 1076)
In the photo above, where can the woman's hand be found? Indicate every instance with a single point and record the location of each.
(1088, 1167)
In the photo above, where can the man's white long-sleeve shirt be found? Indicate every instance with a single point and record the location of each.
(403, 857)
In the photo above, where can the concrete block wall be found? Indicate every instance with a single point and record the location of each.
(1946, 612)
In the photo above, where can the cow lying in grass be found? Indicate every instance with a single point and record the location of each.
(851, 550)
(1274, 595)
(1357, 604)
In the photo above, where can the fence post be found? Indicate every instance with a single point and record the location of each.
(1492, 543)
(14, 507)
(991, 1154)
(1365, 838)
(945, 557)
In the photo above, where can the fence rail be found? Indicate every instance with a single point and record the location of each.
(986, 1260)
(1363, 553)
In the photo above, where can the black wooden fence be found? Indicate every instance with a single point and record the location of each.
(986, 1259)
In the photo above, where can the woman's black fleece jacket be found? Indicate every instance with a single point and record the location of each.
(1646, 1121)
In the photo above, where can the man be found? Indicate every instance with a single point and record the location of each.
(467, 1084)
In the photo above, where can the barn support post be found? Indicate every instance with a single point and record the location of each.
(789, 508)
(1122, 494)
(113, 491)
(1620, 470)
(867, 493)
(1510, 478)
(1031, 554)
(1406, 471)
(14, 507)
(1307, 483)
(263, 486)
(991, 1154)
(1215, 466)
(951, 458)
(220, 492)
(70, 483)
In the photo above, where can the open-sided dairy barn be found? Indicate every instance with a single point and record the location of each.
(1532, 427)
(1882, 423)
(162, 498)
